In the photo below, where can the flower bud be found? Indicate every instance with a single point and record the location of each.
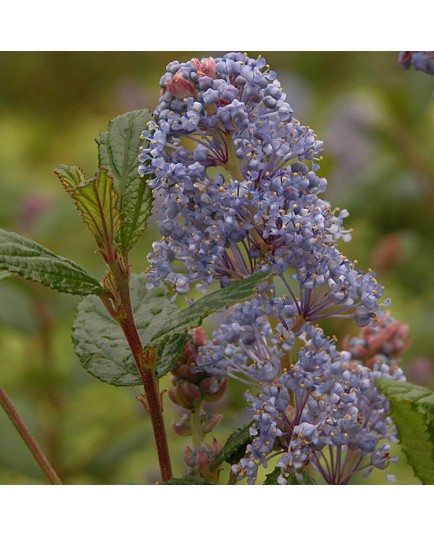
(185, 394)
(384, 342)
(199, 460)
(209, 421)
(206, 67)
(180, 87)
(199, 337)
(213, 388)
(183, 426)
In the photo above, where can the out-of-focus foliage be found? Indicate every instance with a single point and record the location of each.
(377, 123)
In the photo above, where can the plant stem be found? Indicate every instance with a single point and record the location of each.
(152, 394)
(145, 363)
(28, 438)
(195, 426)
(233, 165)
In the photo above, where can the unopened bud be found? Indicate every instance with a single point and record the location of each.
(199, 336)
(206, 67)
(384, 342)
(180, 87)
(209, 421)
(183, 426)
(185, 394)
(213, 388)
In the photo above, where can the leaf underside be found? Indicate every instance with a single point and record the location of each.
(96, 199)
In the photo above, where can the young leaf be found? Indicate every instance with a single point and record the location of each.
(97, 201)
(35, 262)
(412, 409)
(235, 447)
(119, 148)
(99, 341)
(178, 322)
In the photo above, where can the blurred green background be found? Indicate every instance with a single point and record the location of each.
(377, 123)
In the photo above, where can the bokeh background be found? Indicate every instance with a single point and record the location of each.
(377, 123)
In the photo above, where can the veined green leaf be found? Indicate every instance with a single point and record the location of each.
(119, 148)
(180, 321)
(4, 274)
(412, 409)
(99, 341)
(235, 447)
(100, 344)
(35, 262)
(169, 353)
(96, 199)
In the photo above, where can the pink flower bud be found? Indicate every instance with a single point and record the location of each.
(384, 342)
(185, 394)
(199, 336)
(188, 456)
(213, 388)
(209, 421)
(206, 67)
(183, 426)
(180, 87)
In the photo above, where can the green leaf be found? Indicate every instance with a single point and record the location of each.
(271, 478)
(304, 478)
(412, 409)
(186, 481)
(180, 321)
(99, 341)
(119, 148)
(235, 447)
(37, 263)
(4, 274)
(97, 201)
(169, 353)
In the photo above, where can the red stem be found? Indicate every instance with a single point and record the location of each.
(145, 363)
(28, 438)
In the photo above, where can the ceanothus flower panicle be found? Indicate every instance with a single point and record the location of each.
(313, 404)
(237, 173)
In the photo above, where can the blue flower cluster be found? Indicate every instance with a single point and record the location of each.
(313, 404)
(237, 173)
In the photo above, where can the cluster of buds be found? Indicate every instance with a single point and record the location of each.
(198, 461)
(382, 343)
(192, 387)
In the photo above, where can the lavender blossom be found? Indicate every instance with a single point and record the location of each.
(237, 173)
(316, 407)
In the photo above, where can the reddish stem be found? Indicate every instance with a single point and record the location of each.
(145, 363)
(28, 438)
